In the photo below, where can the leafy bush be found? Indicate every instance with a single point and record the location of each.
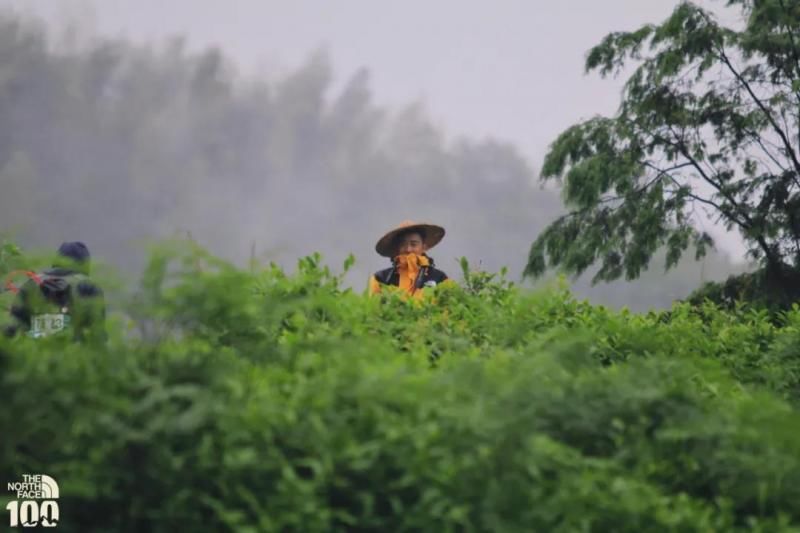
(776, 291)
(255, 400)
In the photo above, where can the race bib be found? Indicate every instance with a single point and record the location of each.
(49, 324)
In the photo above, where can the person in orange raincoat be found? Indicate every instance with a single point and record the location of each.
(412, 269)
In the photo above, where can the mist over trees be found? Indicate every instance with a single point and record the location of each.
(114, 143)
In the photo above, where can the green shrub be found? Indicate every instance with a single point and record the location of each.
(261, 401)
(775, 290)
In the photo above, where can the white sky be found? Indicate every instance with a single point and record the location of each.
(508, 69)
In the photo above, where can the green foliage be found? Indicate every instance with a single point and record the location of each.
(758, 289)
(707, 125)
(9, 260)
(480, 282)
(10, 255)
(273, 402)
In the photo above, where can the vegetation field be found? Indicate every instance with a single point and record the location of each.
(233, 399)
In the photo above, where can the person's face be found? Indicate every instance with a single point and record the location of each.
(411, 243)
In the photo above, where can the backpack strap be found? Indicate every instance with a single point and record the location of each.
(29, 274)
(385, 276)
(422, 277)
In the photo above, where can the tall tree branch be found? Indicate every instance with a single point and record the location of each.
(750, 224)
(786, 144)
(687, 191)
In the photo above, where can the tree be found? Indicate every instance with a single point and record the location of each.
(709, 122)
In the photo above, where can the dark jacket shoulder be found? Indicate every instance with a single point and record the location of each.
(434, 274)
(84, 286)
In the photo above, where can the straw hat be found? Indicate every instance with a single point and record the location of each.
(433, 234)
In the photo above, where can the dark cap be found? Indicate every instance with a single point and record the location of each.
(77, 251)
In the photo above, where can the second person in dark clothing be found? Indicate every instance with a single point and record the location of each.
(61, 300)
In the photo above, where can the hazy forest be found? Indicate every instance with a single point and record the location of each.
(119, 145)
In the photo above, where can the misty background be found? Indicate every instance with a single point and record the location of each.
(276, 130)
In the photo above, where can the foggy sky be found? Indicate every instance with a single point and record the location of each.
(510, 70)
